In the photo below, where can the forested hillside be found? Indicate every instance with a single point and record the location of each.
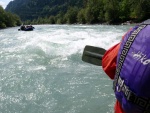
(7, 19)
(32, 9)
(80, 11)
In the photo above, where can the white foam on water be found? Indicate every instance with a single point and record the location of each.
(67, 41)
(58, 41)
(48, 59)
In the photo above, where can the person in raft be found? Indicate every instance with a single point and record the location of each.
(128, 63)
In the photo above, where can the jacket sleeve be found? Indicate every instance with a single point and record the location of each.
(109, 60)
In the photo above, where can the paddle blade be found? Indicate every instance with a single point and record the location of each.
(93, 55)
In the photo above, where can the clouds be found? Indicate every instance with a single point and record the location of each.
(4, 3)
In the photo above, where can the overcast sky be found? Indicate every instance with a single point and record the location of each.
(4, 3)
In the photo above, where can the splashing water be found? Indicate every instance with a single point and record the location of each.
(42, 72)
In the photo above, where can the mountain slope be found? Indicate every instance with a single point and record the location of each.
(32, 9)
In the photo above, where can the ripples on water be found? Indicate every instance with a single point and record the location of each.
(41, 71)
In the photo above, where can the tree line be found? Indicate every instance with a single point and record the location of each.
(75, 11)
(33, 9)
(99, 11)
(8, 19)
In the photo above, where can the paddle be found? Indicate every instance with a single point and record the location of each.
(93, 55)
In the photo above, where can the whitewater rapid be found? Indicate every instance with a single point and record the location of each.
(41, 71)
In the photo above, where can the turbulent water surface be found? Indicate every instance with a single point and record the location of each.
(41, 71)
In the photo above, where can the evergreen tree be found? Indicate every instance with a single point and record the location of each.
(71, 15)
(140, 9)
(81, 16)
(111, 11)
(124, 10)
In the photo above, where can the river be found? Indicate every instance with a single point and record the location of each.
(41, 71)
